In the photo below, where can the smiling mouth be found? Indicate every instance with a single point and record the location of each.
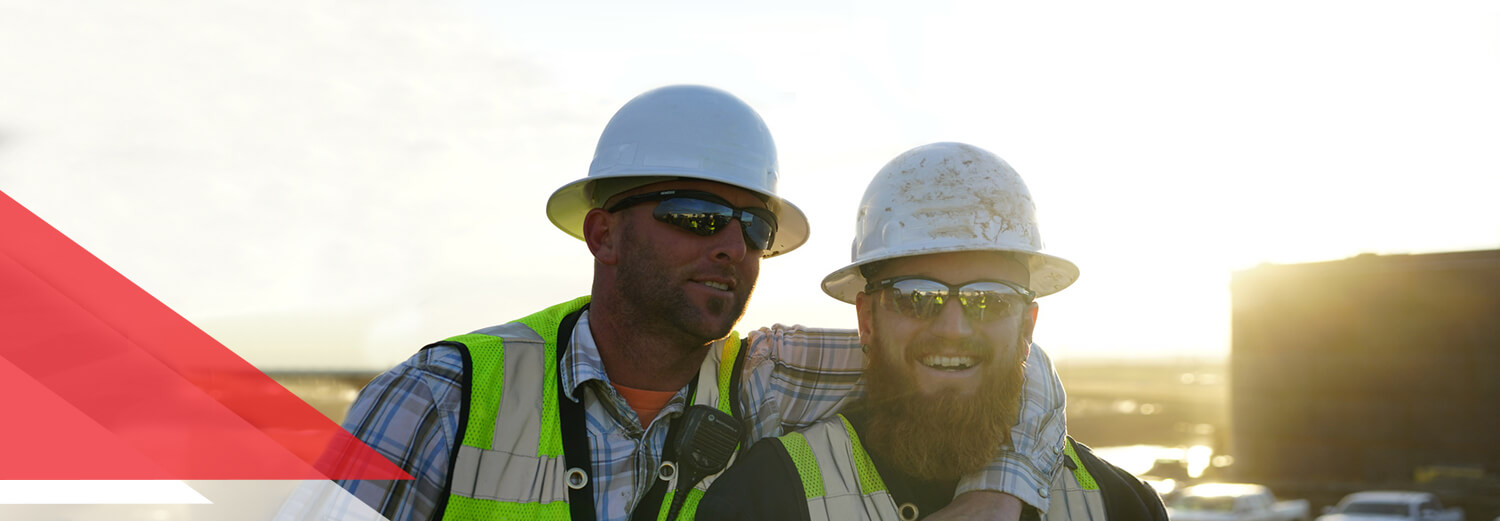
(717, 285)
(949, 363)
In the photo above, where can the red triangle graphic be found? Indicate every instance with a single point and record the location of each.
(64, 430)
(106, 352)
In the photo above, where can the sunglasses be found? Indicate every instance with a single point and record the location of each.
(705, 214)
(982, 300)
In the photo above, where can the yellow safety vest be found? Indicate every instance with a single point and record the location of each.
(841, 482)
(510, 464)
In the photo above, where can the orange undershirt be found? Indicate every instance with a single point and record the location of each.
(646, 403)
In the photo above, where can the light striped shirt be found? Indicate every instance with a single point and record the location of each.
(792, 377)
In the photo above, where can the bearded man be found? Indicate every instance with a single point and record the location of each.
(947, 267)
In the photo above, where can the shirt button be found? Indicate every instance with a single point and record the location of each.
(1042, 492)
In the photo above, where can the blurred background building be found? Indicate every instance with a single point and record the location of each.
(1369, 372)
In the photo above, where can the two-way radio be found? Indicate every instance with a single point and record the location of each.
(705, 441)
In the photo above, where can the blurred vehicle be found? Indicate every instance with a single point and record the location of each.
(1391, 505)
(1233, 502)
(1166, 488)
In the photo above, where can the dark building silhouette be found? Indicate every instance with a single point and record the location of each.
(1369, 371)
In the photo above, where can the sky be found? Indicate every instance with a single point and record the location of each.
(331, 184)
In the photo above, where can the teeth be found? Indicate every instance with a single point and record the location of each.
(717, 285)
(949, 362)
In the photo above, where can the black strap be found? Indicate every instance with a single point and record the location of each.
(735, 407)
(576, 450)
(575, 434)
(576, 453)
(466, 383)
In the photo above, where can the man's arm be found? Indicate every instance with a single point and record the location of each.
(796, 375)
(1026, 468)
(410, 415)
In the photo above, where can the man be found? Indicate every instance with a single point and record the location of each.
(947, 263)
(626, 404)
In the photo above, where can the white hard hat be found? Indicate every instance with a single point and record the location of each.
(947, 197)
(681, 132)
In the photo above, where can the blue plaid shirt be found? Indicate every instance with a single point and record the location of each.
(793, 376)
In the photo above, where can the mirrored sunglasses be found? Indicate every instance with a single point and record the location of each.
(705, 214)
(982, 300)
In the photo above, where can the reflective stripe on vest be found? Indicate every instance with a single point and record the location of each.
(838, 477)
(511, 464)
(841, 483)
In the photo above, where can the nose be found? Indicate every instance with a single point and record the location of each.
(729, 244)
(950, 321)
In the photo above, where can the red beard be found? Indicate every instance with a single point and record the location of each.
(943, 436)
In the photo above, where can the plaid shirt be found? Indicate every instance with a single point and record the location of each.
(793, 376)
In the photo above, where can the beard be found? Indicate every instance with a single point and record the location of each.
(947, 435)
(648, 283)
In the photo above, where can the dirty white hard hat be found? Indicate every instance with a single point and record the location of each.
(682, 132)
(948, 197)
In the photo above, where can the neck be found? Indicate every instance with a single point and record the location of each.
(642, 357)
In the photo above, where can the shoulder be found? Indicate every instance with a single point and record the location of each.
(430, 380)
(434, 377)
(766, 460)
(762, 484)
(1037, 356)
(510, 332)
(1126, 497)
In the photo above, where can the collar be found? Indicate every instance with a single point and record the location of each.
(581, 362)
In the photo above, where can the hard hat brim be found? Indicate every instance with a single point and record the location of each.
(1049, 274)
(569, 204)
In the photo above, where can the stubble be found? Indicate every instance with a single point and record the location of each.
(658, 301)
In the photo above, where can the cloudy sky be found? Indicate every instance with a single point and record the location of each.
(332, 184)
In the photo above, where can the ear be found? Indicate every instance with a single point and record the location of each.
(600, 231)
(864, 306)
